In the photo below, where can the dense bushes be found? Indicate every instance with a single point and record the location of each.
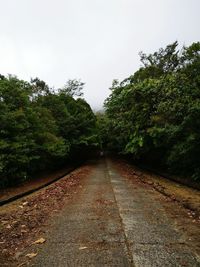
(40, 127)
(154, 115)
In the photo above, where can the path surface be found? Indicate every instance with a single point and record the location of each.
(114, 223)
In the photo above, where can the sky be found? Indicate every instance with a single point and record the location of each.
(92, 40)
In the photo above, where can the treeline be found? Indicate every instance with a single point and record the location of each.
(154, 115)
(40, 127)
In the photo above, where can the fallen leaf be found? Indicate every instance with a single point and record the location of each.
(39, 241)
(31, 255)
(4, 222)
(81, 248)
(22, 264)
(8, 226)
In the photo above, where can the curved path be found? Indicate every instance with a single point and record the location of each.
(114, 223)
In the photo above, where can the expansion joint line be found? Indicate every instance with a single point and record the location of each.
(130, 257)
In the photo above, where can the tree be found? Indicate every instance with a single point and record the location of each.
(73, 88)
(41, 128)
(158, 110)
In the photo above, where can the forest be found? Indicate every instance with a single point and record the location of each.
(41, 128)
(152, 116)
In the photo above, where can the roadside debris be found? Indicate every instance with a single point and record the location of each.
(40, 241)
(22, 222)
(31, 255)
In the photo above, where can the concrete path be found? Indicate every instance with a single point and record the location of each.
(113, 223)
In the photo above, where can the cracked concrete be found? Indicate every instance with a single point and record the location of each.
(113, 223)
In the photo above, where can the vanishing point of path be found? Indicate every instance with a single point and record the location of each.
(113, 222)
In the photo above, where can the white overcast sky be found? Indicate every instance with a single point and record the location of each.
(94, 40)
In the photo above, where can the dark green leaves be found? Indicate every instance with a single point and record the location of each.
(155, 113)
(40, 128)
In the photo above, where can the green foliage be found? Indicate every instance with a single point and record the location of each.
(73, 88)
(103, 130)
(40, 128)
(155, 113)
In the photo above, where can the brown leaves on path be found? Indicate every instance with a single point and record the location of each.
(40, 241)
(22, 223)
